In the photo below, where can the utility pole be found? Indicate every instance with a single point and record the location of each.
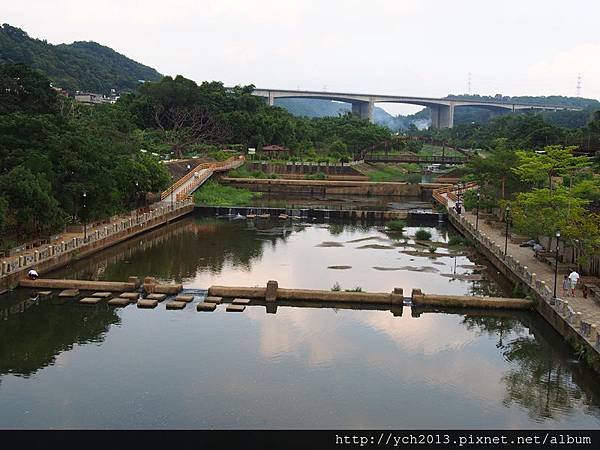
(84, 218)
(469, 84)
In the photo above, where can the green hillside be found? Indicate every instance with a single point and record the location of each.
(85, 66)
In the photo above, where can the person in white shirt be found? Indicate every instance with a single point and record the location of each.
(573, 278)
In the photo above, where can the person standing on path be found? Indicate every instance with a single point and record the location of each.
(573, 278)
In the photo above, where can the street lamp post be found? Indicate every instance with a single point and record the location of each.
(506, 217)
(137, 211)
(171, 196)
(477, 216)
(84, 218)
(556, 263)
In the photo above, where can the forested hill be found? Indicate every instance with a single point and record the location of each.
(85, 66)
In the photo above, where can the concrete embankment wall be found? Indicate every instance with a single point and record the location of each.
(302, 168)
(325, 187)
(557, 313)
(66, 252)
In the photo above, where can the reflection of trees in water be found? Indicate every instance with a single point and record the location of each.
(543, 378)
(179, 250)
(33, 339)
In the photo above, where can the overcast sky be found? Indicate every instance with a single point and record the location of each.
(425, 48)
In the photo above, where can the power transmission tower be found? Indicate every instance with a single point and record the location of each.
(469, 84)
(578, 89)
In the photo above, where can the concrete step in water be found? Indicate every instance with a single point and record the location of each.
(119, 302)
(159, 297)
(208, 307)
(42, 295)
(184, 298)
(69, 293)
(102, 294)
(215, 300)
(130, 295)
(174, 304)
(90, 301)
(147, 304)
(235, 308)
(241, 301)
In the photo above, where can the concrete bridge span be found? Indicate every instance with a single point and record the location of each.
(442, 109)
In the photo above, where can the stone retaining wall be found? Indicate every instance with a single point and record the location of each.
(62, 253)
(563, 319)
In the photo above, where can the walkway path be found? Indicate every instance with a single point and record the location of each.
(524, 258)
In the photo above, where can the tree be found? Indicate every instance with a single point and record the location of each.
(542, 212)
(555, 161)
(25, 90)
(32, 209)
(496, 169)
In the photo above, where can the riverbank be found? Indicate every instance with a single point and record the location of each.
(70, 247)
(576, 319)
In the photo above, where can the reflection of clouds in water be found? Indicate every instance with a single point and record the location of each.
(301, 333)
(432, 349)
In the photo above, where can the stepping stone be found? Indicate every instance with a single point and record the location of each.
(90, 300)
(235, 308)
(184, 298)
(43, 294)
(241, 301)
(159, 297)
(215, 300)
(206, 307)
(147, 304)
(69, 293)
(130, 295)
(117, 301)
(102, 294)
(174, 304)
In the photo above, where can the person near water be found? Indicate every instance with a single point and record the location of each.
(573, 278)
(32, 274)
(566, 286)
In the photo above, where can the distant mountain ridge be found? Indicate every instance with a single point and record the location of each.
(85, 66)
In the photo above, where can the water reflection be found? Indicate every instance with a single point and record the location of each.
(491, 368)
(205, 251)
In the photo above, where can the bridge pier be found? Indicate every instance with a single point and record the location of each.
(442, 116)
(364, 110)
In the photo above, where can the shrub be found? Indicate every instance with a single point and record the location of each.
(355, 289)
(315, 176)
(457, 240)
(432, 249)
(423, 235)
(336, 287)
(396, 225)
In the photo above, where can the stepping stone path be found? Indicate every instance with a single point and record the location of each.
(215, 300)
(147, 304)
(43, 294)
(69, 293)
(102, 294)
(118, 301)
(176, 305)
(184, 298)
(159, 297)
(241, 301)
(235, 308)
(130, 295)
(209, 307)
(90, 300)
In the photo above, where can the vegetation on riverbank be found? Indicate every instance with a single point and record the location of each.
(393, 173)
(214, 194)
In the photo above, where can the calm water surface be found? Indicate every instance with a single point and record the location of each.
(69, 366)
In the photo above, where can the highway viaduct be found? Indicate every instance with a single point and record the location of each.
(442, 109)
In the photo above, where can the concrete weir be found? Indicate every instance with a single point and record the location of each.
(84, 285)
(274, 293)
